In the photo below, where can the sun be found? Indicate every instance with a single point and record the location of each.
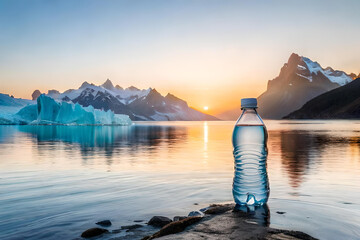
(206, 108)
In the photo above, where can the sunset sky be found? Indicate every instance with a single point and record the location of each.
(210, 53)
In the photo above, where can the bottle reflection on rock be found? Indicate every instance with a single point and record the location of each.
(251, 185)
(259, 214)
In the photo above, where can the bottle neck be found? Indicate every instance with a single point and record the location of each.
(249, 116)
(249, 110)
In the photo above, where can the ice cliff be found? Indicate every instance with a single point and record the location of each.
(49, 111)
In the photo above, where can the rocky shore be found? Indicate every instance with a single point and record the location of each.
(215, 222)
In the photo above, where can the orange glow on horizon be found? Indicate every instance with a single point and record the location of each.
(227, 98)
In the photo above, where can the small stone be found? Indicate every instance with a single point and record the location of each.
(195, 214)
(159, 221)
(93, 232)
(105, 223)
(178, 218)
(138, 221)
(278, 212)
(196, 203)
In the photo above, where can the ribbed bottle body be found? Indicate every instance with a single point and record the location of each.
(251, 185)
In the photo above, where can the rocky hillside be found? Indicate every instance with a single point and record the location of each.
(342, 102)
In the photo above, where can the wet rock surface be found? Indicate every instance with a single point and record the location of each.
(174, 227)
(177, 218)
(215, 222)
(227, 222)
(217, 208)
(159, 221)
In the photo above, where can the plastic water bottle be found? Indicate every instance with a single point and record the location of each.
(251, 184)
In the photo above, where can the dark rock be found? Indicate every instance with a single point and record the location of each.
(195, 213)
(177, 218)
(278, 212)
(130, 227)
(196, 204)
(174, 227)
(105, 223)
(217, 209)
(93, 232)
(138, 221)
(159, 221)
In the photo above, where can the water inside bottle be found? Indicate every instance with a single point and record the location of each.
(250, 185)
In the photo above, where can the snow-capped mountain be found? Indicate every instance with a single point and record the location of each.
(86, 89)
(300, 80)
(139, 104)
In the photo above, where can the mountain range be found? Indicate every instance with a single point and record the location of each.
(138, 104)
(299, 81)
(340, 103)
(303, 89)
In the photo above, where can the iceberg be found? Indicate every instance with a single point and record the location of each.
(48, 111)
(9, 106)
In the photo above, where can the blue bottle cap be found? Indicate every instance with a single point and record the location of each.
(248, 103)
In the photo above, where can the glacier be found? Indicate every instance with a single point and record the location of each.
(48, 111)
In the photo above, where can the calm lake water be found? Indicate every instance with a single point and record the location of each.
(57, 181)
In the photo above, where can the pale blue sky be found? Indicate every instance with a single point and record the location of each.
(200, 50)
